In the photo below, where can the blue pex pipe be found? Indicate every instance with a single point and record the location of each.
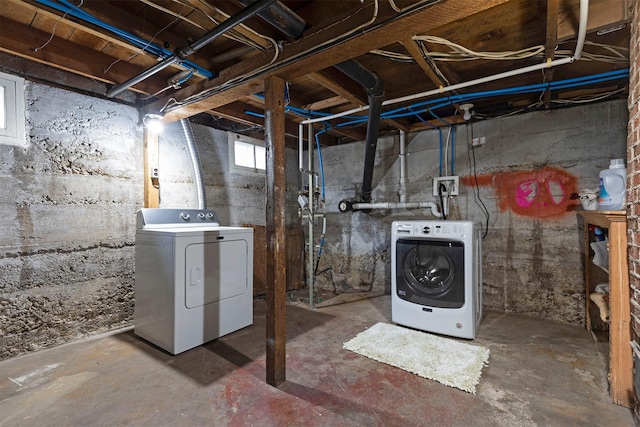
(71, 9)
(412, 110)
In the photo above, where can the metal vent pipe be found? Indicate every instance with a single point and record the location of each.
(375, 93)
(182, 52)
(196, 164)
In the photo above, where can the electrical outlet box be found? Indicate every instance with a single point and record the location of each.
(154, 173)
(478, 142)
(450, 183)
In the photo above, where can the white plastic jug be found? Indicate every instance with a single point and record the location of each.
(613, 186)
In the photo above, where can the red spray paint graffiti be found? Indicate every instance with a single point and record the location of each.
(543, 193)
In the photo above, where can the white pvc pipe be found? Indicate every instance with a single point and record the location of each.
(582, 33)
(393, 205)
(403, 168)
(300, 147)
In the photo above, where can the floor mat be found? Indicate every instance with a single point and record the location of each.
(445, 360)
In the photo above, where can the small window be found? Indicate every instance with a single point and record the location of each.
(246, 154)
(11, 110)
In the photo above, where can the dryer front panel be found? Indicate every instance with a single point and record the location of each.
(430, 272)
(215, 271)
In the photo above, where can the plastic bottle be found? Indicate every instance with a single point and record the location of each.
(613, 186)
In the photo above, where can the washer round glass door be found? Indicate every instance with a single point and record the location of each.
(430, 272)
(429, 269)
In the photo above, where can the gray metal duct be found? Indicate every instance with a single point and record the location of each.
(182, 52)
(375, 93)
(195, 163)
(282, 18)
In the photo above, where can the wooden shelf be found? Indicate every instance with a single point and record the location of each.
(620, 355)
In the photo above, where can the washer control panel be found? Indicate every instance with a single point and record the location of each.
(435, 229)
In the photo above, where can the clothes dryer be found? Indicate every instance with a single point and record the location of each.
(436, 279)
(193, 278)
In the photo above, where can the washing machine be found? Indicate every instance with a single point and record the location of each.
(436, 279)
(193, 278)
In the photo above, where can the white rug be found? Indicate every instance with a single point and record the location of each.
(447, 361)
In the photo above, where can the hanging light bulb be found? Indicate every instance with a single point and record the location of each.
(467, 113)
(153, 122)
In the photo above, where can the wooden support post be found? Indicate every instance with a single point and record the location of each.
(550, 44)
(276, 232)
(151, 181)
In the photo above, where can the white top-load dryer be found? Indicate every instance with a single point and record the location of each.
(193, 278)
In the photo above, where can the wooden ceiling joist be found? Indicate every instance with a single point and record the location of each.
(68, 56)
(305, 55)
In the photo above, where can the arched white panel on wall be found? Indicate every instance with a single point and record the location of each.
(12, 113)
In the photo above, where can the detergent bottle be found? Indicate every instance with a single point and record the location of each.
(613, 186)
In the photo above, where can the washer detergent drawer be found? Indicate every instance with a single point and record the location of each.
(214, 271)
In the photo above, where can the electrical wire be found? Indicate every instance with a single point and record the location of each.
(258, 71)
(461, 53)
(404, 9)
(476, 187)
(53, 31)
(71, 9)
(400, 57)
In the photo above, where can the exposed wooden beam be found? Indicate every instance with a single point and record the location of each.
(68, 56)
(151, 179)
(347, 88)
(416, 54)
(602, 14)
(550, 44)
(430, 124)
(355, 134)
(220, 16)
(326, 103)
(237, 113)
(306, 55)
(276, 213)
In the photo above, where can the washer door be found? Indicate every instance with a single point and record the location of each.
(430, 272)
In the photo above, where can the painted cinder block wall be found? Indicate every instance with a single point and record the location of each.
(633, 188)
(527, 170)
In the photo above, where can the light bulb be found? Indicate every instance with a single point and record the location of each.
(467, 111)
(153, 122)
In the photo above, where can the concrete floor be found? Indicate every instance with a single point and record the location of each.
(540, 373)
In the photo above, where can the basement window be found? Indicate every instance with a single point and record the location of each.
(246, 154)
(12, 110)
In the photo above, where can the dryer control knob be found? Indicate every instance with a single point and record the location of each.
(184, 215)
(201, 215)
(426, 230)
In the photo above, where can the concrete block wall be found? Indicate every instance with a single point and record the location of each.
(237, 197)
(633, 189)
(68, 199)
(67, 202)
(527, 170)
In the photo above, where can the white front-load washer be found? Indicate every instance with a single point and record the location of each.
(436, 276)
(193, 278)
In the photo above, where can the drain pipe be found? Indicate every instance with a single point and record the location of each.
(402, 193)
(182, 52)
(375, 94)
(195, 163)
